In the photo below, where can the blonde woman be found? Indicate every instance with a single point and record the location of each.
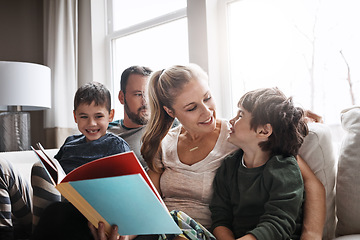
(183, 161)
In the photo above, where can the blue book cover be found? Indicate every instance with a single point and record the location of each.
(128, 202)
(115, 190)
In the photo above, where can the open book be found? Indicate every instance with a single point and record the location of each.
(115, 190)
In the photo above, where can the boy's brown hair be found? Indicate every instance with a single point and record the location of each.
(270, 105)
(93, 92)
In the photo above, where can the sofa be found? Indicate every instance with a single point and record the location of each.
(339, 173)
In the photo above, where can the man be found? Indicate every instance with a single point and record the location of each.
(133, 86)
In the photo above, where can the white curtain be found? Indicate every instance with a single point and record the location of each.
(61, 55)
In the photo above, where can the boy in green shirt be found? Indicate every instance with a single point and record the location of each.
(258, 190)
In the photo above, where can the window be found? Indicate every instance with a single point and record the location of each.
(128, 13)
(153, 35)
(309, 49)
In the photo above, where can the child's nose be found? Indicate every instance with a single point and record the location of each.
(92, 121)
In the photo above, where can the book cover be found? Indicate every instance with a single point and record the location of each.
(115, 190)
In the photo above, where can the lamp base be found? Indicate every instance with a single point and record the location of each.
(14, 131)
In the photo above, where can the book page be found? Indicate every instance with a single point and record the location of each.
(60, 171)
(126, 201)
(49, 167)
(116, 165)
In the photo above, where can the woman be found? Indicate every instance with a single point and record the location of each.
(183, 161)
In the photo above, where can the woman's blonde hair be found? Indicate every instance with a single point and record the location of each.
(164, 87)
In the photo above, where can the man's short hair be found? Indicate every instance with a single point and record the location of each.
(144, 71)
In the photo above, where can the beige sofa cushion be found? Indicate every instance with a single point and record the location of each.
(23, 161)
(317, 151)
(348, 179)
(349, 237)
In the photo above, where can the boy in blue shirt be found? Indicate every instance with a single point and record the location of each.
(258, 190)
(92, 113)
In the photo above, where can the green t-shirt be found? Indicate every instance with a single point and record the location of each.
(266, 201)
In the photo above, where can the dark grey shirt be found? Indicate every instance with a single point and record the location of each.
(131, 135)
(76, 151)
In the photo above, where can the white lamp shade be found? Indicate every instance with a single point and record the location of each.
(25, 84)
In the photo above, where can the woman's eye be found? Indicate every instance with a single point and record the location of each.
(207, 99)
(191, 109)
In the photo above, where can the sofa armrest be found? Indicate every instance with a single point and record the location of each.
(317, 151)
(22, 161)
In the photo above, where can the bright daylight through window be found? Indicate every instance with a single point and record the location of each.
(148, 33)
(308, 48)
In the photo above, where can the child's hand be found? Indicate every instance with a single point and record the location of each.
(99, 234)
(312, 117)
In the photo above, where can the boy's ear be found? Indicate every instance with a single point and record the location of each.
(121, 97)
(264, 131)
(111, 115)
(169, 111)
(74, 116)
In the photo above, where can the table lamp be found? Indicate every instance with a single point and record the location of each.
(23, 87)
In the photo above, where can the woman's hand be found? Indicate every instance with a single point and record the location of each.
(315, 203)
(99, 233)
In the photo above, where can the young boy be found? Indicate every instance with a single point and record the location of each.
(92, 113)
(258, 190)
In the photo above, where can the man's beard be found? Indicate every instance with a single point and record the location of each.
(138, 118)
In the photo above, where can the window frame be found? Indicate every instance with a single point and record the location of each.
(207, 28)
(112, 35)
